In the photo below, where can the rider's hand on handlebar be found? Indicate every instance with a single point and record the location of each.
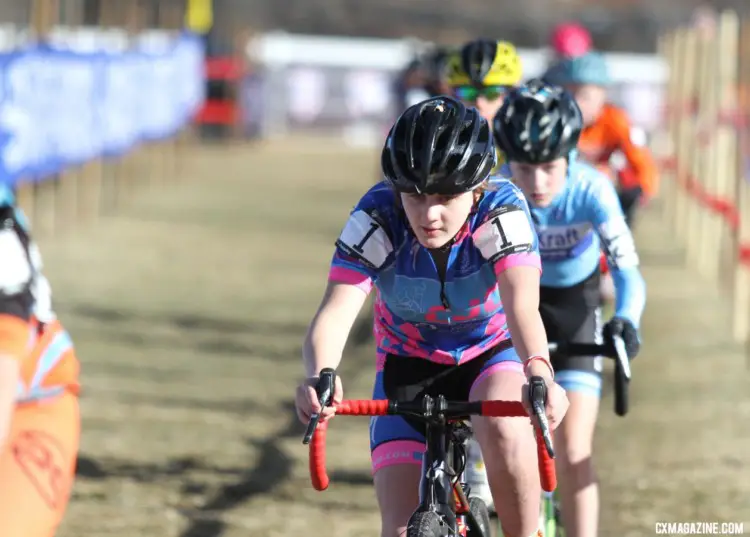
(623, 328)
(555, 406)
(307, 403)
(556, 403)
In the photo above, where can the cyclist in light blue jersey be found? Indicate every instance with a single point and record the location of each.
(576, 214)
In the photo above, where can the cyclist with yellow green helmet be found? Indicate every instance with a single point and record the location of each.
(479, 74)
(482, 71)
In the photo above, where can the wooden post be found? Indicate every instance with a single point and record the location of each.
(136, 169)
(741, 288)
(677, 112)
(25, 193)
(696, 149)
(43, 17)
(186, 138)
(114, 178)
(162, 18)
(69, 184)
(91, 177)
(703, 222)
(109, 195)
(721, 178)
(686, 70)
(669, 49)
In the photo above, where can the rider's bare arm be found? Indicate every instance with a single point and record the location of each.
(329, 330)
(519, 291)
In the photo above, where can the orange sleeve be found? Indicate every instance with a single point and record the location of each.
(14, 336)
(639, 158)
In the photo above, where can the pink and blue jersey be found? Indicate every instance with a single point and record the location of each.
(449, 318)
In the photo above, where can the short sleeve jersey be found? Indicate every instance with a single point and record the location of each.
(419, 313)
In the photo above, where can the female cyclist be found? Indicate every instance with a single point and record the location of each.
(456, 267)
(478, 74)
(39, 416)
(577, 215)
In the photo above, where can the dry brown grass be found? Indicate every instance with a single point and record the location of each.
(188, 312)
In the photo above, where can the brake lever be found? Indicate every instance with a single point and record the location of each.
(622, 355)
(538, 398)
(324, 388)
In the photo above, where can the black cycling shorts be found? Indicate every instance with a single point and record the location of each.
(407, 378)
(573, 315)
(629, 200)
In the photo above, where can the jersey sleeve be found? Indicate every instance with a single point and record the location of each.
(639, 158)
(16, 286)
(619, 248)
(505, 235)
(365, 245)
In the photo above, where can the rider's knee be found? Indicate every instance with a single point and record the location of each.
(574, 439)
(508, 437)
(575, 448)
(503, 434)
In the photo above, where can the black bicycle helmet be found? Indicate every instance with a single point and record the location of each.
(438, 146)
(537, 123)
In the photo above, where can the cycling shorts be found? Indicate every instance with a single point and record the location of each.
(401, 440)
(573, 315)
(37, 466)
(629, 200)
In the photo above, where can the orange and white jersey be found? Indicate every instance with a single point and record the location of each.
(29, 330)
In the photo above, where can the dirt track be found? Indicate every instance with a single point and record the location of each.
(189, 309)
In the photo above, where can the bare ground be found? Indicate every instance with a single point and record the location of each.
(188, 310)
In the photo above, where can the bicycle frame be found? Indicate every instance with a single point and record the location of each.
(435, 486)
(437, 491)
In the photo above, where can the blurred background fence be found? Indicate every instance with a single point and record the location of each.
(706, 154)
(92, 99)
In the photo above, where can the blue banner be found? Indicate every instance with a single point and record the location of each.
(60, 108)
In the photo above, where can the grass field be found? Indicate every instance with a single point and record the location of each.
(189, 308)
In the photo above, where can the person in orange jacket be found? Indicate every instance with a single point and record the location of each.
(607, 130)
(39, 412)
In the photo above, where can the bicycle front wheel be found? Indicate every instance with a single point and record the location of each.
(425, 524)
(479, 509)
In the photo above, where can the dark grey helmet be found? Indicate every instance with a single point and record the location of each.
(537, 123)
